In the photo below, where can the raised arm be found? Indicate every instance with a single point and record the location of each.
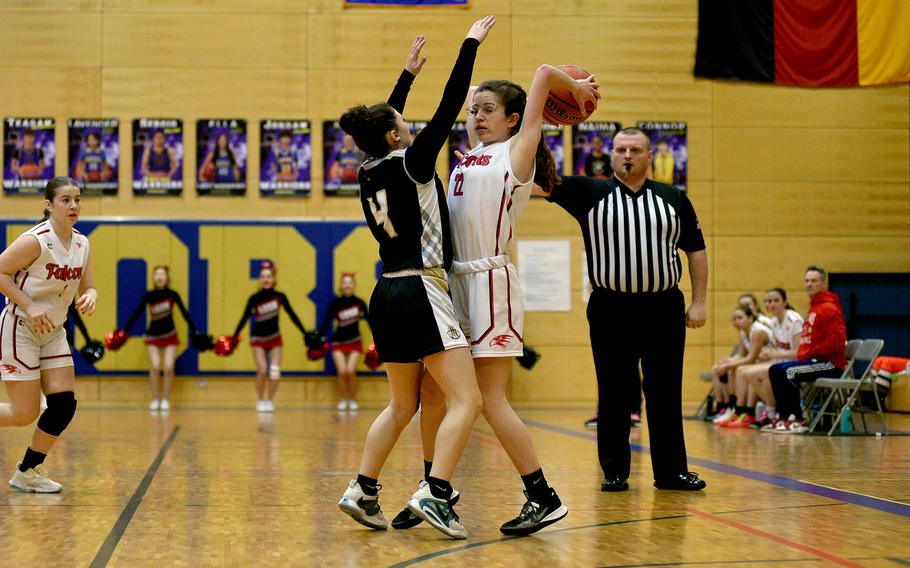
(412, 68)
(420, 158)
(524, 144)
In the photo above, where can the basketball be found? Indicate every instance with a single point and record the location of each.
(560, 107)
(29, 171)
(207, 173)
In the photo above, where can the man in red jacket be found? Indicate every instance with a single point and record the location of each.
(820, 354)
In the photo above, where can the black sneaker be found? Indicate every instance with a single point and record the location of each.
(407, 520)
(536, 515)
(688, 481)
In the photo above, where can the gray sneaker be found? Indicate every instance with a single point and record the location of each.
(437, 512)
(33, 480)
(362, 508)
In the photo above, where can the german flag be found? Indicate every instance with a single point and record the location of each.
(808, 43)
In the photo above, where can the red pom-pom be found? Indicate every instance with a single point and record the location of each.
(316, 353)
(225, 345)
(371, 358)
(114, 340)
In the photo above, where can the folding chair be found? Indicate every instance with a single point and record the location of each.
(840, 388)
(811, 392)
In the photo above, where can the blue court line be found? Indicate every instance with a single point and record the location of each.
(868, 501)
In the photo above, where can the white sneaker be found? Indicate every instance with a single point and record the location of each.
(342, 405)
(33, 480)
(155, 404)
(362, 508)
(165, 405)
(268, 406)
(729, 413)
(352, 405)
(260, 406)
(437, 512)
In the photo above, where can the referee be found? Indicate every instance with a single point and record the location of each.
(632, 228)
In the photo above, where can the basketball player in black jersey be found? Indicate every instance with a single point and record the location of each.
(411, 311)
(161, 339)
(265, 337)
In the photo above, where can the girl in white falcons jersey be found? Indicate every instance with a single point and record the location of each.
(41, 273)
(488, 189)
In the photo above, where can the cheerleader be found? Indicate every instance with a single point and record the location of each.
(347, 310)
(161, 339)
(265, 337)
(41, 273)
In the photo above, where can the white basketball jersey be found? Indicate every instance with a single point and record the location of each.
(485, 200)
(785, 330)
(746, 338)
(53, 280)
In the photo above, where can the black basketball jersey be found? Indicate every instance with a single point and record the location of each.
(410, 220)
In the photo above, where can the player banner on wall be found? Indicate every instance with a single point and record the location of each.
(221, 155)
(94, 154)
(29, 151)
(671, 155)
(285, 155)
(592, 143)
(406, 3)
(342, 161)
(552, 137)
(157, 156)
(458, 140)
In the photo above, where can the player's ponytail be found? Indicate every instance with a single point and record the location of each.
(369, 126)
(50, 192)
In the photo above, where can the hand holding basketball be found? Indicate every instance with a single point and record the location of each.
(586, 93)
(574, 103)
(481, 28)
(415, 62)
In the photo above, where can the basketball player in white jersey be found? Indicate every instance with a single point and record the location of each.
(41, 273)
(488, 190)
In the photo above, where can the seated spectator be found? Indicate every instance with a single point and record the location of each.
(886, 370)
(787, 326)
(821, 353)
(753, 336)
(749, 299)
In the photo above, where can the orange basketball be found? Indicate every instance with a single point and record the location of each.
(207, 173)
(560, 107)
(29, 171)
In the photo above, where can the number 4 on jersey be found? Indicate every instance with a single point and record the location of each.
(379, 206)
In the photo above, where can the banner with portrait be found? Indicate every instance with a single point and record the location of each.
(221, 156)
(29, 152)
(285, 156)
(94, 154)
(592, 144)
(342, 159)
(553, 138)
(671, 154)
(157, 156)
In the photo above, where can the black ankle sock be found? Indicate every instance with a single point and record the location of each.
(31, 459)
(440, 488)
(732, 403)
(427, 466)
(750, 410)
(369, 485)
(536, 485)
(739, 409)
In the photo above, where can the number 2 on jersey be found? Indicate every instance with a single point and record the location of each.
(459, 183)
(379, 206)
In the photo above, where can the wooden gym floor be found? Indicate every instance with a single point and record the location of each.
(228, 487)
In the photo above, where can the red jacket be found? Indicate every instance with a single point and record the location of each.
(824, 332)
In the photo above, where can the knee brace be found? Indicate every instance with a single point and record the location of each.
(61, 406)
(274, 372)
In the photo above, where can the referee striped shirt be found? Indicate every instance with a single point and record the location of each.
(631, 238)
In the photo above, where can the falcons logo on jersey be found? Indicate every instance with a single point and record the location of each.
(501, 341)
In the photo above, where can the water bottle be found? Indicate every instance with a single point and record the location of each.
(846, 421)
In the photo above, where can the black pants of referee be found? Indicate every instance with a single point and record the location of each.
(628, 329)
